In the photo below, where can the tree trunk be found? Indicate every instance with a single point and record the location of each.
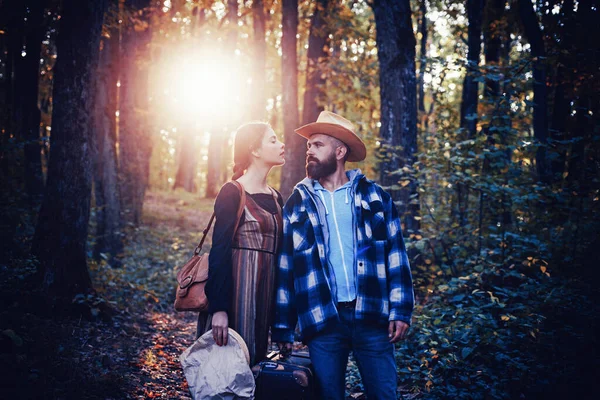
(534, 35)
(468, 108)
(215, 173)
(295, 145)
(13, 13)
(563, 89)
(106, 184)
(560, 115)
(258, 105)
(61, 232)
(493, 34)
(396, 51)
(422, 57)
(135, 142)
(188, 160)
(316, 54)
(27, 111)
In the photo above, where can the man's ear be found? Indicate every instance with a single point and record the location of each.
(340, 152)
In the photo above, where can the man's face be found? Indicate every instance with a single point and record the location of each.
(320, 157)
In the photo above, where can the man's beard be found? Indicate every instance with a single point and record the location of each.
(320, 169)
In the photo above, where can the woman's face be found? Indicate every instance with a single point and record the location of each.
(271, 150)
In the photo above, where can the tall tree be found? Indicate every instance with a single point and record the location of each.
(396, 51)
(106, 185)
(534, 35)
(468, 108)
(135, 143)
(27, 113)
(61, 232)
(493, 32)
(583, 168)
(214, 175)
(294, 144)
(259, 61)
(562, 84)
(188, 159)
(422, 56)
(316, 55)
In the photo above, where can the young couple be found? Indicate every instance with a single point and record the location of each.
(332, 260)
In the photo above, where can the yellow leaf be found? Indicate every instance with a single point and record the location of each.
(505, 317)
(405, 183)
(543, 269)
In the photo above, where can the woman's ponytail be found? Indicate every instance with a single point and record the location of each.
(248, 138)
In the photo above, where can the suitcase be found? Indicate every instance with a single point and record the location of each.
(289, 378)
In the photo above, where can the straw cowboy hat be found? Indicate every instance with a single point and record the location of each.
(340, 128)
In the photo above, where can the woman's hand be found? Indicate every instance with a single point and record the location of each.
(220, 323)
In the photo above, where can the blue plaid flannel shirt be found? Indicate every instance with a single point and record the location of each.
(306, 288)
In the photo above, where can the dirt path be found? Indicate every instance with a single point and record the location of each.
(132, 355)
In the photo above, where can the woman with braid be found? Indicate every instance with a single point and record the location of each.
(241, 279)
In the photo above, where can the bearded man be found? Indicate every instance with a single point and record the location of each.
(343, 272)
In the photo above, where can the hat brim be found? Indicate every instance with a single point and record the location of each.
(236, 336)
(358, 150)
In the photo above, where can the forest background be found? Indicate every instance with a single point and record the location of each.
(480, 117)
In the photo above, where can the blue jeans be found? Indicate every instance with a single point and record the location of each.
(372, 350)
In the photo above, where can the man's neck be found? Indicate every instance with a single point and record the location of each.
(334, 181)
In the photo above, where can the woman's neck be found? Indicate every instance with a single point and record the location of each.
(255, 179)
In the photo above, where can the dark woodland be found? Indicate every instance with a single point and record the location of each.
(481, 118)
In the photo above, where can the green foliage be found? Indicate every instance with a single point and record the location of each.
(172, 227)
(490, 334)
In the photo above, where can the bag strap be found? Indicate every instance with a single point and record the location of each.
(240, 211)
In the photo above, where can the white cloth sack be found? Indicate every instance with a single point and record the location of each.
(218, 372)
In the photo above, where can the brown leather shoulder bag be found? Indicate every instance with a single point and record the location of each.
(192, 277)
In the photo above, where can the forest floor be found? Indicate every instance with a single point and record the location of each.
(132, 353)
(490, 335)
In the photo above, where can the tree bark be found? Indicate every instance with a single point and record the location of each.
(396, 51)
(61, 233)
(135, 142)
(534, 35)
(258, 105)
(422, 57)
(468, 108)
(106, 185)
(188, 160)
(27, 113)
(316, 54)
(12, 14)
(295, 145)
(493, 34)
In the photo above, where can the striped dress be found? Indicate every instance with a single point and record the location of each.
(254, 257)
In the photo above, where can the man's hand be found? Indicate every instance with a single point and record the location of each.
(397, 331)
(285, 348)
(220, 323)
